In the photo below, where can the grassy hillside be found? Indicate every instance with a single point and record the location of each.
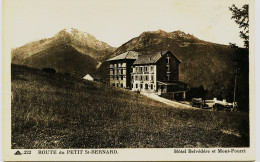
(60, 111)
(64, 59)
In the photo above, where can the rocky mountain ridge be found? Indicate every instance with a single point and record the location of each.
(83, 42)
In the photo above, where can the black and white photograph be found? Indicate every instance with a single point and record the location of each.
(128, 74)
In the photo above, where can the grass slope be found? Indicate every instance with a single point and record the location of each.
(64, 59)
(60, 111)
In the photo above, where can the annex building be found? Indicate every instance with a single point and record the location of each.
(157, 72)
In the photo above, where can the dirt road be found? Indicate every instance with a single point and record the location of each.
(167, 101)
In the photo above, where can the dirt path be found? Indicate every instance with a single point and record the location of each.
(167, 101)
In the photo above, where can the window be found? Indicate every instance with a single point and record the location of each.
(165, 89)
(151, 68)
(141, 77)
(167, 60)
(168, 77)
(146, 77)
(151, 86)
(145, 69)
(140, 69)
(152, 77)
(132, 77)
(122, 77)
(136, 85)
(122, 85)
(136, 77)
(168, 67)
(146, 86)
(122, 71)
(136, 69)
(141, 86)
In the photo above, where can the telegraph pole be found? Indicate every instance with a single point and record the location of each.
(235, 88)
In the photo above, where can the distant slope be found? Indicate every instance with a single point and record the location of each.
(202, 63)
(51, 111)
(84, 43)
(64, 59)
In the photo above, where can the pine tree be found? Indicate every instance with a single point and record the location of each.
(241, 17)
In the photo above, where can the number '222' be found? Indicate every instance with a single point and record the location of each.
(27, 152)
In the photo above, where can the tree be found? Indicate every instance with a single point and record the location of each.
(241, 58)
(242, 19)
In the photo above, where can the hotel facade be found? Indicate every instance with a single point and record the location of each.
(120, 69)
(157, 72)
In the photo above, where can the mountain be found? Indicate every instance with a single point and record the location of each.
(45, 52)
(203, 63)
(149, 41)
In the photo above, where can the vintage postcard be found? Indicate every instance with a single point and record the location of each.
(128, 80)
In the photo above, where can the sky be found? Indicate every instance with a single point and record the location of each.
(117, 21)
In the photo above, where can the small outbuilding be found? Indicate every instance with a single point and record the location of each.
(175, 90)
(93, 77)
(88, 77)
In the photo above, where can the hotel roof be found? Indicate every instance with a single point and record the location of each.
(130, 55)
(151, 58)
